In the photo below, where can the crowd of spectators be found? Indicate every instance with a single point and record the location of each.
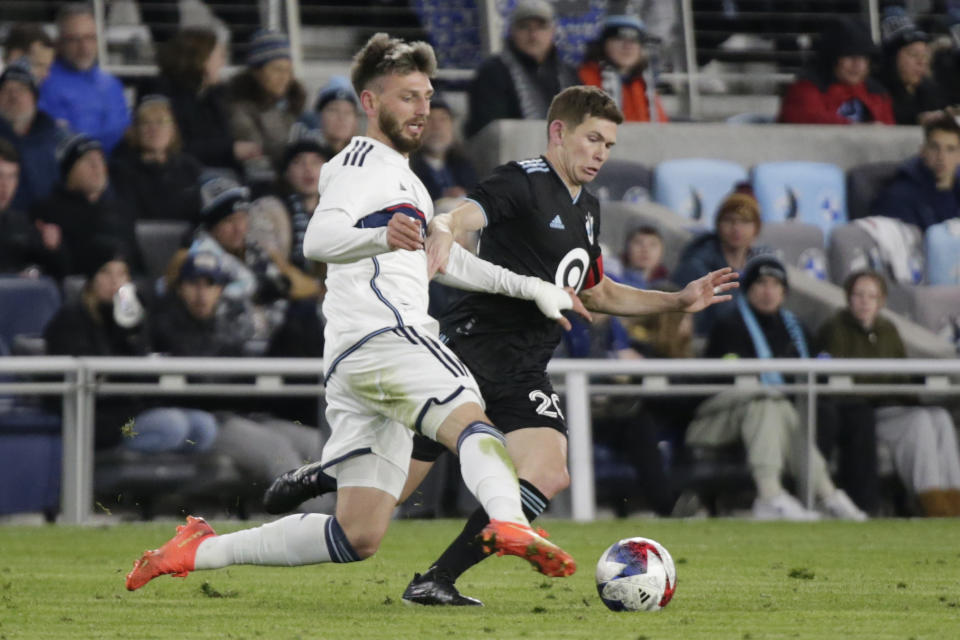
(238, 161)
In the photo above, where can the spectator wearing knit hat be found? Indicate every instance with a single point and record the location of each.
(519, 82)
(758, 325)
(31, 131)
(150, 172)
(618, 62)
(905, 70)
(279, 219)
(838, 88)
(78, 91)
(266, 99)
(336, 113)
(262, 284)
(730, 245)
(83, 208)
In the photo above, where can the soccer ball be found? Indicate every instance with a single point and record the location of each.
(636, 574)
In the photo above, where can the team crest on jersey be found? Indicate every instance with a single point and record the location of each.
(589, 225)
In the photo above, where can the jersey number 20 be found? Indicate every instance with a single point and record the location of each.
(549, 405)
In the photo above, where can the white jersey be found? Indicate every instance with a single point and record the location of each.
(370, 182)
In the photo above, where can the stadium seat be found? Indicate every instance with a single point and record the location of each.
(811, 192)
(937, 308)
(942, 249)
(797, 244)
(159, 240)
(695, 187)
(622, 180)
(864, 184)
(26, 305)
(30, 456)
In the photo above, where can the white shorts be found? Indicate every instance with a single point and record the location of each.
(394, 384)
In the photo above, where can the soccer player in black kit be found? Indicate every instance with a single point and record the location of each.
(535, 219)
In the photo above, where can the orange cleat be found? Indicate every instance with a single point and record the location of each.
(175, 557)
(515, 539)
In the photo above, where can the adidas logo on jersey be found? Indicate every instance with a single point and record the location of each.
(557, 223)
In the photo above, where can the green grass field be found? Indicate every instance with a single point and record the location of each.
(736, 579)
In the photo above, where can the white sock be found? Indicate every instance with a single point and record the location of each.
(488, 472)
(291, 541)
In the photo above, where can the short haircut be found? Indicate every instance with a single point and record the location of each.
(383, 55)
(23, 35)
(851, 280)
(943, 122)
(8, 153)
(575, 104)
(72, 10)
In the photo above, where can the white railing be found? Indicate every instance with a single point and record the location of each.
(81, 382)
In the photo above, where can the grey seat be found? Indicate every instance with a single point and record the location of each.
(622, 180)
(158, 241)
(936, 307)
(864, 184)
(798, 244)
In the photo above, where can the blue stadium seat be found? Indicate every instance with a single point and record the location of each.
(695, 187)
(26, 305)
(810, 192)
(30, 456)
(942, 248)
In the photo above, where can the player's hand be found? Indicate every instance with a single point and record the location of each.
(403, 232)
(551, 300)
(708, 290)
(439, 242)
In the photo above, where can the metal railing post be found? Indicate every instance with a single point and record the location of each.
(581, 447)
(76, 492)
(491, 26)
(811, 440)
(690, 54)
(99, 17)
(295, 35)
(873, 19)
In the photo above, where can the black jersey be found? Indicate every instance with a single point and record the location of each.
(535, 228)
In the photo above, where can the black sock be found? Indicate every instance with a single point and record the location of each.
(466, 551)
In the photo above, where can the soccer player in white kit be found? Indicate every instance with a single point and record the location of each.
(387, 374)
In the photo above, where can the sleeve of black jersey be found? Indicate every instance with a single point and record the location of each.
(504, 194)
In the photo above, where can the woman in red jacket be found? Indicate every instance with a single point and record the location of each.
(616, 62)
(839, 90)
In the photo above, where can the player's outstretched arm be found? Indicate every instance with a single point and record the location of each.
(444, 229)
(622, 300)
(467, 271)
(332, 237)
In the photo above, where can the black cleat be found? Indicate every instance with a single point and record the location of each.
(288, 490)
(436, 588)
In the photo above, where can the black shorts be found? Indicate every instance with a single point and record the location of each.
(510, 407)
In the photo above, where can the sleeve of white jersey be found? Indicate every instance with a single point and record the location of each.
(331, 234)
(470, 273)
